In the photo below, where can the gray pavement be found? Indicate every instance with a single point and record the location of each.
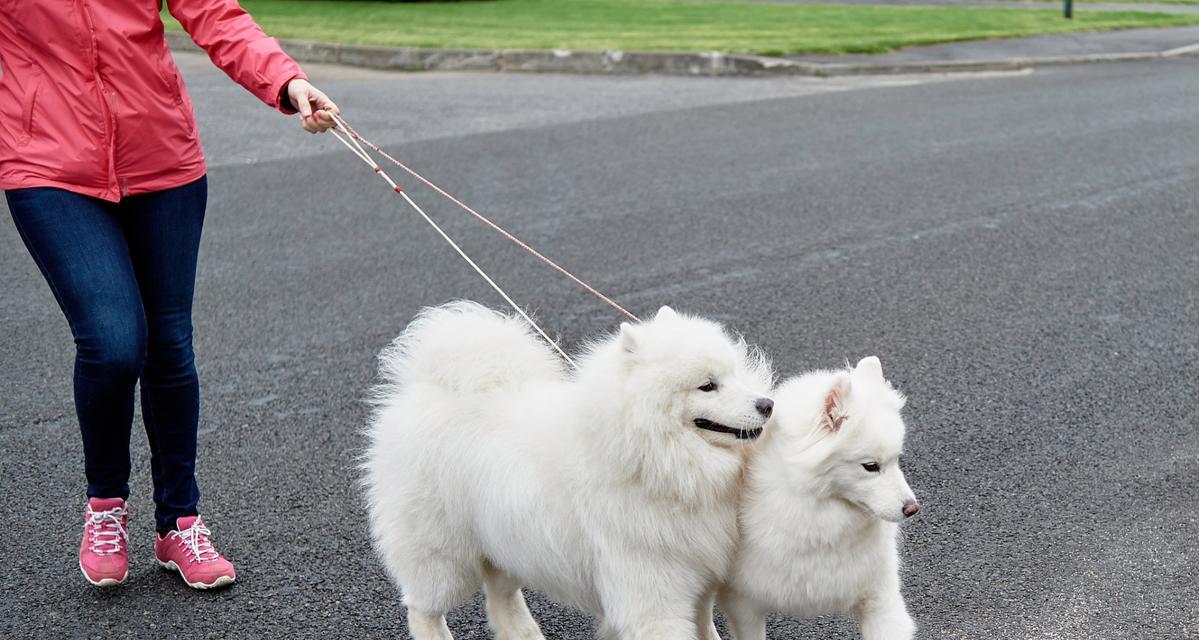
(1125, 41)
(1020, 249)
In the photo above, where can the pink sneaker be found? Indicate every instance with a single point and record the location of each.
(190, 552)
(104, 554)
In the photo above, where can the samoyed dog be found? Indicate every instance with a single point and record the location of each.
(823, 494)
(611, 489)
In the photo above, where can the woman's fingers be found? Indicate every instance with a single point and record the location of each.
(323, 120)
(320, 107)
(322, 101)
(324, 107)
(300, 94)
(298, 91)
(319, 121)
(314, 106)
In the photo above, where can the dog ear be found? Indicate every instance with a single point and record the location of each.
(834, 405)
(665, 312)
(628, 337)
(870, 366)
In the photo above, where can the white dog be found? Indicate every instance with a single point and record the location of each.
(823, 495)
(612, 490)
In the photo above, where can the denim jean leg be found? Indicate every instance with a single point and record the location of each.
(163, 232)
(79, 246)
(110, 352)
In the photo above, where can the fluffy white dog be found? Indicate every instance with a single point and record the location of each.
(823, 495)
(612, 489)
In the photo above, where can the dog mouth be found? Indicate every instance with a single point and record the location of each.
(740, 434)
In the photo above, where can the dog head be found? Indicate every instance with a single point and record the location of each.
(852, 451)
(706, 381)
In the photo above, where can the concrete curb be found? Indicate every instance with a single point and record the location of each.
(649, 62)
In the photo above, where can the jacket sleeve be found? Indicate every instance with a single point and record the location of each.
(239, 47)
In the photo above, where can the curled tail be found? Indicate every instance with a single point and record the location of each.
(464, 348)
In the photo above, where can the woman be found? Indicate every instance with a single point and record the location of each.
(101, 165)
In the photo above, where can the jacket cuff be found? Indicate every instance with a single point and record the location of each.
(282, 101)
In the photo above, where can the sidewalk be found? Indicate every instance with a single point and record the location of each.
(1030, 51)
(1010, 4)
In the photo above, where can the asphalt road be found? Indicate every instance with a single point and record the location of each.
(1021, 250)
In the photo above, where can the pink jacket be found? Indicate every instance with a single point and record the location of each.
(91, 101)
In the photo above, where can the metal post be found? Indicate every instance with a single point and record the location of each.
(1068, 9)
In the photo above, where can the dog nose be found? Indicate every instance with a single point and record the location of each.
(765, 406)
(910, 508)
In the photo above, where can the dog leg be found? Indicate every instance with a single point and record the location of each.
(636, 613)
(507, 613)
(703, 618)
(432, 587)
(658, 621)
(746, 620)
(886, 619)
(422, 626)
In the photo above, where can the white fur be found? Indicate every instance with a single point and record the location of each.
(488, 464)
(819, 530)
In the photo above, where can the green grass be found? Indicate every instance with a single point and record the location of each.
(667, 25)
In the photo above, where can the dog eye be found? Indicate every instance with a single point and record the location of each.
(872, 467)
(708, 386)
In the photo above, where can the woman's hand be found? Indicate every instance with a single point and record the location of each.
(314, 106)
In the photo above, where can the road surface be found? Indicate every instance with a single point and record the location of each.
(1022, 251)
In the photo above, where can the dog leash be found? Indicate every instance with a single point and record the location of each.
(354, 142)
(485, 220)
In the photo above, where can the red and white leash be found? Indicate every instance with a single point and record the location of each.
(351, 139)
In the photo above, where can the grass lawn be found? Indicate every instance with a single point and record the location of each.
(672, 25)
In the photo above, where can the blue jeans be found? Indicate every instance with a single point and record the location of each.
(124, 275)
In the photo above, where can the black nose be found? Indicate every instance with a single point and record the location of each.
(765, 406)
(910, 508)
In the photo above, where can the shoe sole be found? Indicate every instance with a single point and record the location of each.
(222, 581)
(103, 582)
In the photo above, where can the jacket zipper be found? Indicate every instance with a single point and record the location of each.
(107, 102)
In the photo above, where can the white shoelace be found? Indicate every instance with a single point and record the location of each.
(107, 531)
(195, 540)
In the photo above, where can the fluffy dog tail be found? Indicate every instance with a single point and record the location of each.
(464, 348)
